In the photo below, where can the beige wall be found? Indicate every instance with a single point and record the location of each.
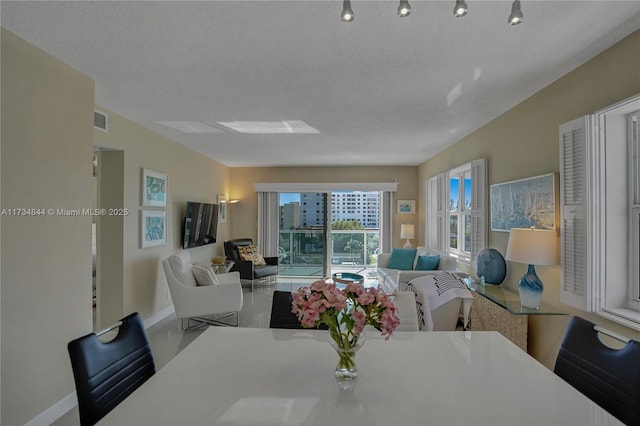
(46, 260)
(523, 142)
(191, 176)
(47, 145)
(244, 215)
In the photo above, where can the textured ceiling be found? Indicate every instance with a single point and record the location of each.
(380, 91)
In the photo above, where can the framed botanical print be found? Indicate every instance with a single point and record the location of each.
(153, 228)
(154, 188)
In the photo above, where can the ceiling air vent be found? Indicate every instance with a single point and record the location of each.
(100, 120)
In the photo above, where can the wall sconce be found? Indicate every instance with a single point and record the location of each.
(407, 232)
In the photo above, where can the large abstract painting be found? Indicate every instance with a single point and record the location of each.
(524, 203)
(154, 188)
(153, 228)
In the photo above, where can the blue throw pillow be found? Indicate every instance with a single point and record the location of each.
(427, 263)
(402, 259)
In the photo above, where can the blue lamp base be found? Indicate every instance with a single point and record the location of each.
(530, 288)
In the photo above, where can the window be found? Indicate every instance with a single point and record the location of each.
(270, 212)
(460, 212)
(600, 216)
(455, 208)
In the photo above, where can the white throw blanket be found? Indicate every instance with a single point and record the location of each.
(433, 291)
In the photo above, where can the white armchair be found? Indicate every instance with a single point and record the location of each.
(201, 303)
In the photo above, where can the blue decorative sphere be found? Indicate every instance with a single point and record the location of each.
(491, 266)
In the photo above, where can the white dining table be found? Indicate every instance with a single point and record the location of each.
(250, 376)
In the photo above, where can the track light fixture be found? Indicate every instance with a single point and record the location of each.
(404, 9)
(516, 16)
(460, 9)
(347, 14)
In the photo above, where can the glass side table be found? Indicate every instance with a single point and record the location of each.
(496, 308)
(510, 300)
(220, 268)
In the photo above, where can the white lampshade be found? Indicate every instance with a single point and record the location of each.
(533, 246)
(407, 231)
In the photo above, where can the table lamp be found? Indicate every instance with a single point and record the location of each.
(407, 232)
(533, 247)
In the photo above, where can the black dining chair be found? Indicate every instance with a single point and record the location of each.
(609, 377)
(281, 315)
(106, 373)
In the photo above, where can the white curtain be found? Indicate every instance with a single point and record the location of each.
(268, 223)
(386, 222)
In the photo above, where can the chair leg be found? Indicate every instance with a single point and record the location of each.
(205, 322)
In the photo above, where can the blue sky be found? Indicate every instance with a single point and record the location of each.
(454, 190)
(289, 198)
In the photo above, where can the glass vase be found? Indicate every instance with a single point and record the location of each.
(346, 343)
(530, 288)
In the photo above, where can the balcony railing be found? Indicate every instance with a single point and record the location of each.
(301, 252)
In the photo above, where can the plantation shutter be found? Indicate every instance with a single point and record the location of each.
(431, 209)
(478, 207)
(443, 212)
(634, 169)
(575, 192)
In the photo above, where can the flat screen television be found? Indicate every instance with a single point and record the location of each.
(200, 224)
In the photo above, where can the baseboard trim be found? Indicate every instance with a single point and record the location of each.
(158, 316)
(62, 407)
(53, 413)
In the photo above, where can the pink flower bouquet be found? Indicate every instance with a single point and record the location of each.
(345, 313)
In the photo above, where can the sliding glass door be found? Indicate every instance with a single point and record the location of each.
(309, 246)
(303, 234)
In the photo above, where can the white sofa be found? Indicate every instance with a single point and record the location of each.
(391, 280)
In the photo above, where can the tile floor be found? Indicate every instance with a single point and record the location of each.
(167, 338)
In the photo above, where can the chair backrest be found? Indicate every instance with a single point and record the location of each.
(107, 373)
(231, 248)
(609, 377)
(178, 266)
(281, 315)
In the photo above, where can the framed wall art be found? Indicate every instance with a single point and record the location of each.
(154, 188)
(407, 206)
(524, 203)
(153, 228)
